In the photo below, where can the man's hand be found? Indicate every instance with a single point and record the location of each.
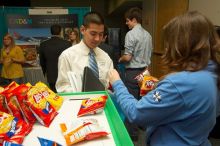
(113, 76)
(125, 58)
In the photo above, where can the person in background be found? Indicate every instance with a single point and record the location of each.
(136, 58)
(107, 48)
(49, 52)
(181, 110)
(87, 53)
(74, 36)
(12, 58)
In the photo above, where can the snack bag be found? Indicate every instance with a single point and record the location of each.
(3, 106)
(6, 102)
(20, 93)
(55, 100)
(13, 106)
(140, 76)
(147, 84)
(12, 129)
(46, 142)
(8, 89)
(92, 106)
(86, 129)
(40, 107)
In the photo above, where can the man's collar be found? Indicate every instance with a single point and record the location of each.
(86, 49)
(137, 25)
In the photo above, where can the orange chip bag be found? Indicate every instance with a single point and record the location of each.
(92, 106)
(147, 84)
(55, 100)
(40, 107)
(86, 129)
(12, 129)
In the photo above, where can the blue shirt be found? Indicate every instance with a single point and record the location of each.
(181, 111)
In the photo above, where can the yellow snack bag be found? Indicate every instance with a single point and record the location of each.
(40, 106)
(28, 84)
(55, 100)
(5, 122)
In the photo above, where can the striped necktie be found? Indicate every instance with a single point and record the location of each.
(93, 64)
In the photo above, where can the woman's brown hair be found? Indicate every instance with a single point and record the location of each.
(76, 32)
(190, 41)
(8, 36)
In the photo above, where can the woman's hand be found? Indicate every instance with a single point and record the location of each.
(17, 61)
(113, 76)
(7, 61)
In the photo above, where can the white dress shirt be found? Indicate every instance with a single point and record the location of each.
(71, 66)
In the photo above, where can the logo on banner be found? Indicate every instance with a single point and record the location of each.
(20, 21)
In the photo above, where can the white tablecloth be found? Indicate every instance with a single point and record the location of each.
(67, 114)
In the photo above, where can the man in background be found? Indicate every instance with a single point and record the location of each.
(87, 53)
(49, 52)
(108, 48)
(136, 57)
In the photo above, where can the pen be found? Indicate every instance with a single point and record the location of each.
(79, 98)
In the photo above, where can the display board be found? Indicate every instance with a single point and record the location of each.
(53, 14)
(30, 30)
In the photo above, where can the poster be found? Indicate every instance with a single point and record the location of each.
(30, 30)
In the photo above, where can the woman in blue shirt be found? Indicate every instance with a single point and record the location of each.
(181, 110)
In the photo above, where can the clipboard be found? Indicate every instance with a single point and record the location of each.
(90, 82)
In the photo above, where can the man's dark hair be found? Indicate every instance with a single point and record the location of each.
(134, 13)
(55, 29)
(92, 17)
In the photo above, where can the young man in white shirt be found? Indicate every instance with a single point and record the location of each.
(74, 59)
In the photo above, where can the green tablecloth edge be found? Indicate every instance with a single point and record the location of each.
(119, 132)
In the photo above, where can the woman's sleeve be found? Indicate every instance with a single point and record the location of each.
(159, 106)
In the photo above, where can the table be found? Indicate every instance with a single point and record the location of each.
(33, 75)
(109, 120)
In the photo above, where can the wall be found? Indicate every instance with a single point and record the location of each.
(210, 8)
(156, 14)
(97, 5)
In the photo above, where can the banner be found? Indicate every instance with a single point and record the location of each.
(30, 30)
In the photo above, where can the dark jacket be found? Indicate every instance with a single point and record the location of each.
(50, 51)
(110, 51)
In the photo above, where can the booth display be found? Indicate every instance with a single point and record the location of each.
(109, 120)
(33, 75)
